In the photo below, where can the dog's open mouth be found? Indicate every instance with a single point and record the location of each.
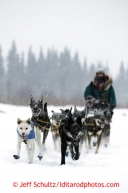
(107, 122)
(36, 112)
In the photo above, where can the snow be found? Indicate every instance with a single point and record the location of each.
(110, 165)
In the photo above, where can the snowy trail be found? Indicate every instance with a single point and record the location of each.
(109, 166)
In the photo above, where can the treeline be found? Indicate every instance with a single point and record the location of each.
(60, 78)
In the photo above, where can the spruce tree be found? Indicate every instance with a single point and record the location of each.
(12, 80)
(2, 77)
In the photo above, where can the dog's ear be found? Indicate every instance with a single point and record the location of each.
(28, 121)
(75, 109)
(45, 107)
(19, 121)
(66, 111)
(85, 109)
(41, 100)
(70, 112)
(31, 99)
(62, 110)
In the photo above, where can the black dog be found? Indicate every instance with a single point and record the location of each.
(66, 113)
(70, 132)
(40, 117)
(77, 113)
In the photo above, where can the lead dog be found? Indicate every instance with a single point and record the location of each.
(70, 132)
(27, 133)
(40, 119)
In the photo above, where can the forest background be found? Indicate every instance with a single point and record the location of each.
(59, 77)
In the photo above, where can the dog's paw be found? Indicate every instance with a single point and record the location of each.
(62, 163)
(66, 154)
(106, 145)
(73, 156)
(94, 144)
(16, 156)
(40, 157)
(76, 156)
(30, 162)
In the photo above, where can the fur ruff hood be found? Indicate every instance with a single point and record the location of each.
(107, 84)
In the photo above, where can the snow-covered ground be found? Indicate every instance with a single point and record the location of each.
(109, 166)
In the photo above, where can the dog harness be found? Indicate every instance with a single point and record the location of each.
(68, 134)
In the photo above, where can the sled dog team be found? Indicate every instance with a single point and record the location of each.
(69, 130)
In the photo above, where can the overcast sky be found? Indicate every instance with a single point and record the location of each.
(97, 29)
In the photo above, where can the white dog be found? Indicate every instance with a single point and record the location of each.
(28, 133)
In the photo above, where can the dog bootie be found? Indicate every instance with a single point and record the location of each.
(94, 144)
(73, 155)
(66, 154)
(40, 157)
(16, 156)
(106, 145)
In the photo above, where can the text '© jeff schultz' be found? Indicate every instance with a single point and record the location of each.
(64, 184)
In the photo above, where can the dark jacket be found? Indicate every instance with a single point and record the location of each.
(107, 93)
